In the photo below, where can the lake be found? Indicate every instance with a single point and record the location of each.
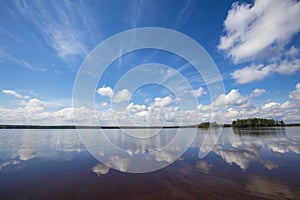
(243, 164)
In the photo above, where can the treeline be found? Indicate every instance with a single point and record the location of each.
(82, 127)
(207, 125)
(256, 122)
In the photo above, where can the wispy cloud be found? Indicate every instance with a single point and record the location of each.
(135, 11)
(15, 94)
(63, 25)
(20, 62)
(185, 12)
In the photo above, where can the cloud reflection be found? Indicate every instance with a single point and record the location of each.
(268, 188)
(26, 154)
(245, 147)
(100, 169)
(203, 166)
(4, 164)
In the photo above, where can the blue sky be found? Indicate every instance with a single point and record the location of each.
(253, 43)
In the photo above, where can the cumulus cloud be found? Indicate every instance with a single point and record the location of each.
(287, 104)
(199, 92)
(105, 91)
(233, 98)
(242, 106)
(296, 93)
(262, 33)
(258, 92)
(15, 94)
(288, 67)
(163, 102)
(204, 107)
(163, 110)
(160, 111)
(34, 105)
(271, 105)
(252, 73)
(122, 95)
(136, 108)
(251, 30)
(104, 104)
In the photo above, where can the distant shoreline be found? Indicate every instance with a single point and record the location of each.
(110, 127)
(88, 127)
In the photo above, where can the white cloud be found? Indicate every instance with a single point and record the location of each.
(15, 94)
(104, 104)
(287, 105)
(163, 102)
(233, 98)
(242, 106)
(136, 108)
(258, 92)
(199, 92)
(105, 91)
(288, 67)
(58, 103)
(255, 73)
(252, 73)
(262, 33)
(261, 28)
(59, 28)
(122, 95)
(204, 107)
(18, 61)
(34, 105)
(65, 42)
(271, 105)
(162, 111)
(296, 93)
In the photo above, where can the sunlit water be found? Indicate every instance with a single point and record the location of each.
(244, 164)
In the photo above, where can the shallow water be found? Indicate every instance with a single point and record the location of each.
(243, 164)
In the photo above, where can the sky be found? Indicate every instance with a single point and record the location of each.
(255, 46)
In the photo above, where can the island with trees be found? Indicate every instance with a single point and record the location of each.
(257, 123)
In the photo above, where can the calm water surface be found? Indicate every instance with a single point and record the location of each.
(244, 164)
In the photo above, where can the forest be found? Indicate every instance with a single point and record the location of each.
(256, 122)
